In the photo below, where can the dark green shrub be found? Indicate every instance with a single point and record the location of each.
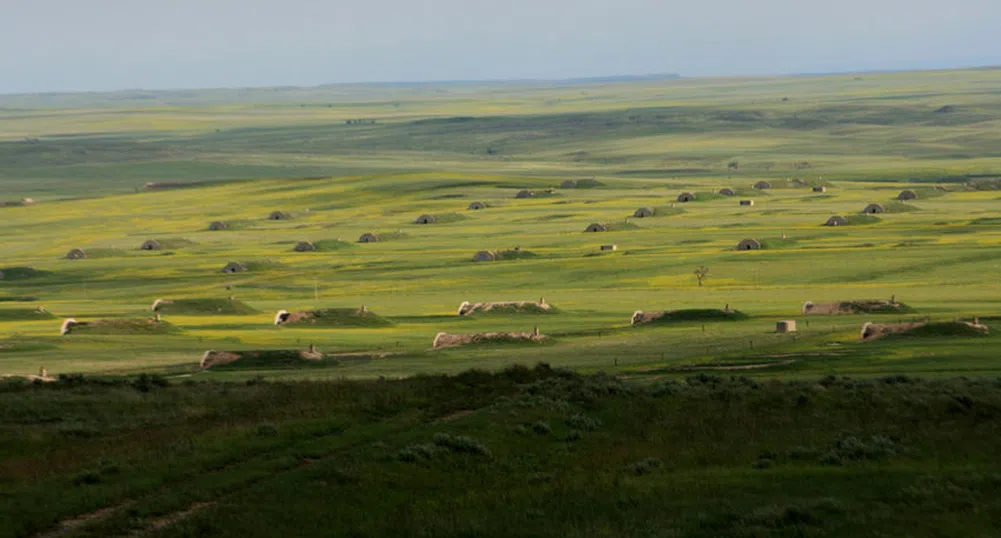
(148, 382)
(87, 478)
(541, 428)
(416, 453)
(665, 388)
(645, 466)
(267, 430)
(460, 444)
(71, 379)
(584, 422)
(800, 453)
(851, 448)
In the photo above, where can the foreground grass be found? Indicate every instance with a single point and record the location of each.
(521, 452)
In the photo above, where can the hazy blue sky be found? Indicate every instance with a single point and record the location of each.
(48, 45)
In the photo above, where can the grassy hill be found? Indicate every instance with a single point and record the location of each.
(533, 452)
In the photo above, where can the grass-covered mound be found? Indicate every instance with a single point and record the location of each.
(693, 314)
(919, 329)
(323, 245)
(861, 219)
(260, 265)
(527, 308)
(707, 196)
(238, 224)
(503, 255)
(588, 183)
(944, 328)
(927, 192)
(877, 307)
(507, 308)
(860, 306)
(231, 307)
(100, 253)
(620, 226)
(515, 254)
(529, 194)
(777, 243)
(668, 211)
(333, 317)
(24, 314)
(331, 245)
(896, 206)
(447, 218)
(446, 340)
(172, 243)
(264, 359)
(8, 274)
(392, 236)
(120, 327)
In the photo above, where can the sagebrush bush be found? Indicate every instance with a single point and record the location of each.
(572, 387)
(665, 388)
(443, 443)
(583, 422)
(267, 430)
(415, 453)
(541, 428)
(460, 444)
(645, 466)
(851, 448)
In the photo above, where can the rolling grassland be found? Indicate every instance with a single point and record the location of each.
(560, 417)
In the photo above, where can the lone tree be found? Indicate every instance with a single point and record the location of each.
(701, 273)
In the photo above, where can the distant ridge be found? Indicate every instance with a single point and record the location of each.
(522, 81)
(325, 93)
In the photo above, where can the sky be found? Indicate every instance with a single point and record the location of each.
(88, 45)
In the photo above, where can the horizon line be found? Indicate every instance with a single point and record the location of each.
(620, 78)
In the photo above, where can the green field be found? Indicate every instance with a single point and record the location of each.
(342, 161)
(866, 138)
